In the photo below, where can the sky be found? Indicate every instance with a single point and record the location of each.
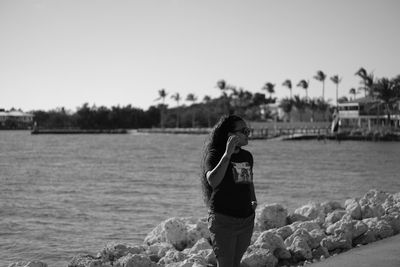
(64, 53)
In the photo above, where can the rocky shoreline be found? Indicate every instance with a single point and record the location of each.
(311, 233)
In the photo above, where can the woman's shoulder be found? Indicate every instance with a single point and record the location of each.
(246, 153)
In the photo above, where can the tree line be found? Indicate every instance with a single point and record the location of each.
(205, 112)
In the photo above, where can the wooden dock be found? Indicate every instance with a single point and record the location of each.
(303, 133)
(174, 130)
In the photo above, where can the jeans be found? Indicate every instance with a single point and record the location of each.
(230, 237)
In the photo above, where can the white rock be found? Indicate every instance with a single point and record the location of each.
(342, 226)
(320, 252)
(114, 251)
(274, 243)
(375, 197)
(396, 197)
(89, 261)
(211, 259)
(180, 264)
(255, 236)
(384, 230)
(196, 232)
(318, 235)
(199, 260)
(330, 206)
(339, 241)
(368, 237)
(394, 220)
(172, 230)
(271, 216)
(284, 231)
(202, 244)
(172, 257)
(381, 228)
(308, 226)
(352, 228)
(372, 210)
(359, 228)
(159, 249)
(294, 217)
(304, 235)
(312, 211)
(135, 261)
(334, 216)
(259, 258)
(353, 208)
(300, 248)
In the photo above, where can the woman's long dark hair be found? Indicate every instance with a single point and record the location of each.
(216, 141)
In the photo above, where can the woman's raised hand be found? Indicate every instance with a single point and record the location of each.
(231, 144)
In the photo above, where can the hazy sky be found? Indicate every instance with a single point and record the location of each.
(63, 53)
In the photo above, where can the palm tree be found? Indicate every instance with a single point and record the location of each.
(162, 95)
(396, 82)
(192, 98)
(207, 100)
(241, 100)
(286, 104)
(300, 105)
(386, 91)
(304, 84)
(270, 88)
(322, 107)
(353, 92)
(336, 80)
(361, 72)
(223, 86)
(313, 105)
(367, 80)
(321, 76)
(177, 98)
(288, 84)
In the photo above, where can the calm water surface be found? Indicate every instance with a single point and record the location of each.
(62, 195)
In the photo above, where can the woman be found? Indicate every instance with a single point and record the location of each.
(227, 179)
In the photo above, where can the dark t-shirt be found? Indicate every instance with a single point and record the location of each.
(233, 195)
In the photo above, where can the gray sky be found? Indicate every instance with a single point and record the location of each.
(63, 53)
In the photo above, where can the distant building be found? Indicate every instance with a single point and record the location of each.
(366, 112)
(15, 119)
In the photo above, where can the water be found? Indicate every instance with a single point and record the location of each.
(62, 195)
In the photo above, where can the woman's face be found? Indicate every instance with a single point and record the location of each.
(242, 131)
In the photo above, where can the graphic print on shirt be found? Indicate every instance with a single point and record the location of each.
(242, 173)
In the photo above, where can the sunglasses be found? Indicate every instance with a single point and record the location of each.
(245, 131)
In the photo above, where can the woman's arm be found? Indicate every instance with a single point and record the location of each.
(215, 176)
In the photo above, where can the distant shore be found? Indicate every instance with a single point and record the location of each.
(300, 133)
(276, 132)
(79, 131)
(175, 130)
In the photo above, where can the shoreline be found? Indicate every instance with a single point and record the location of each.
(281, 134)
(318, 233)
